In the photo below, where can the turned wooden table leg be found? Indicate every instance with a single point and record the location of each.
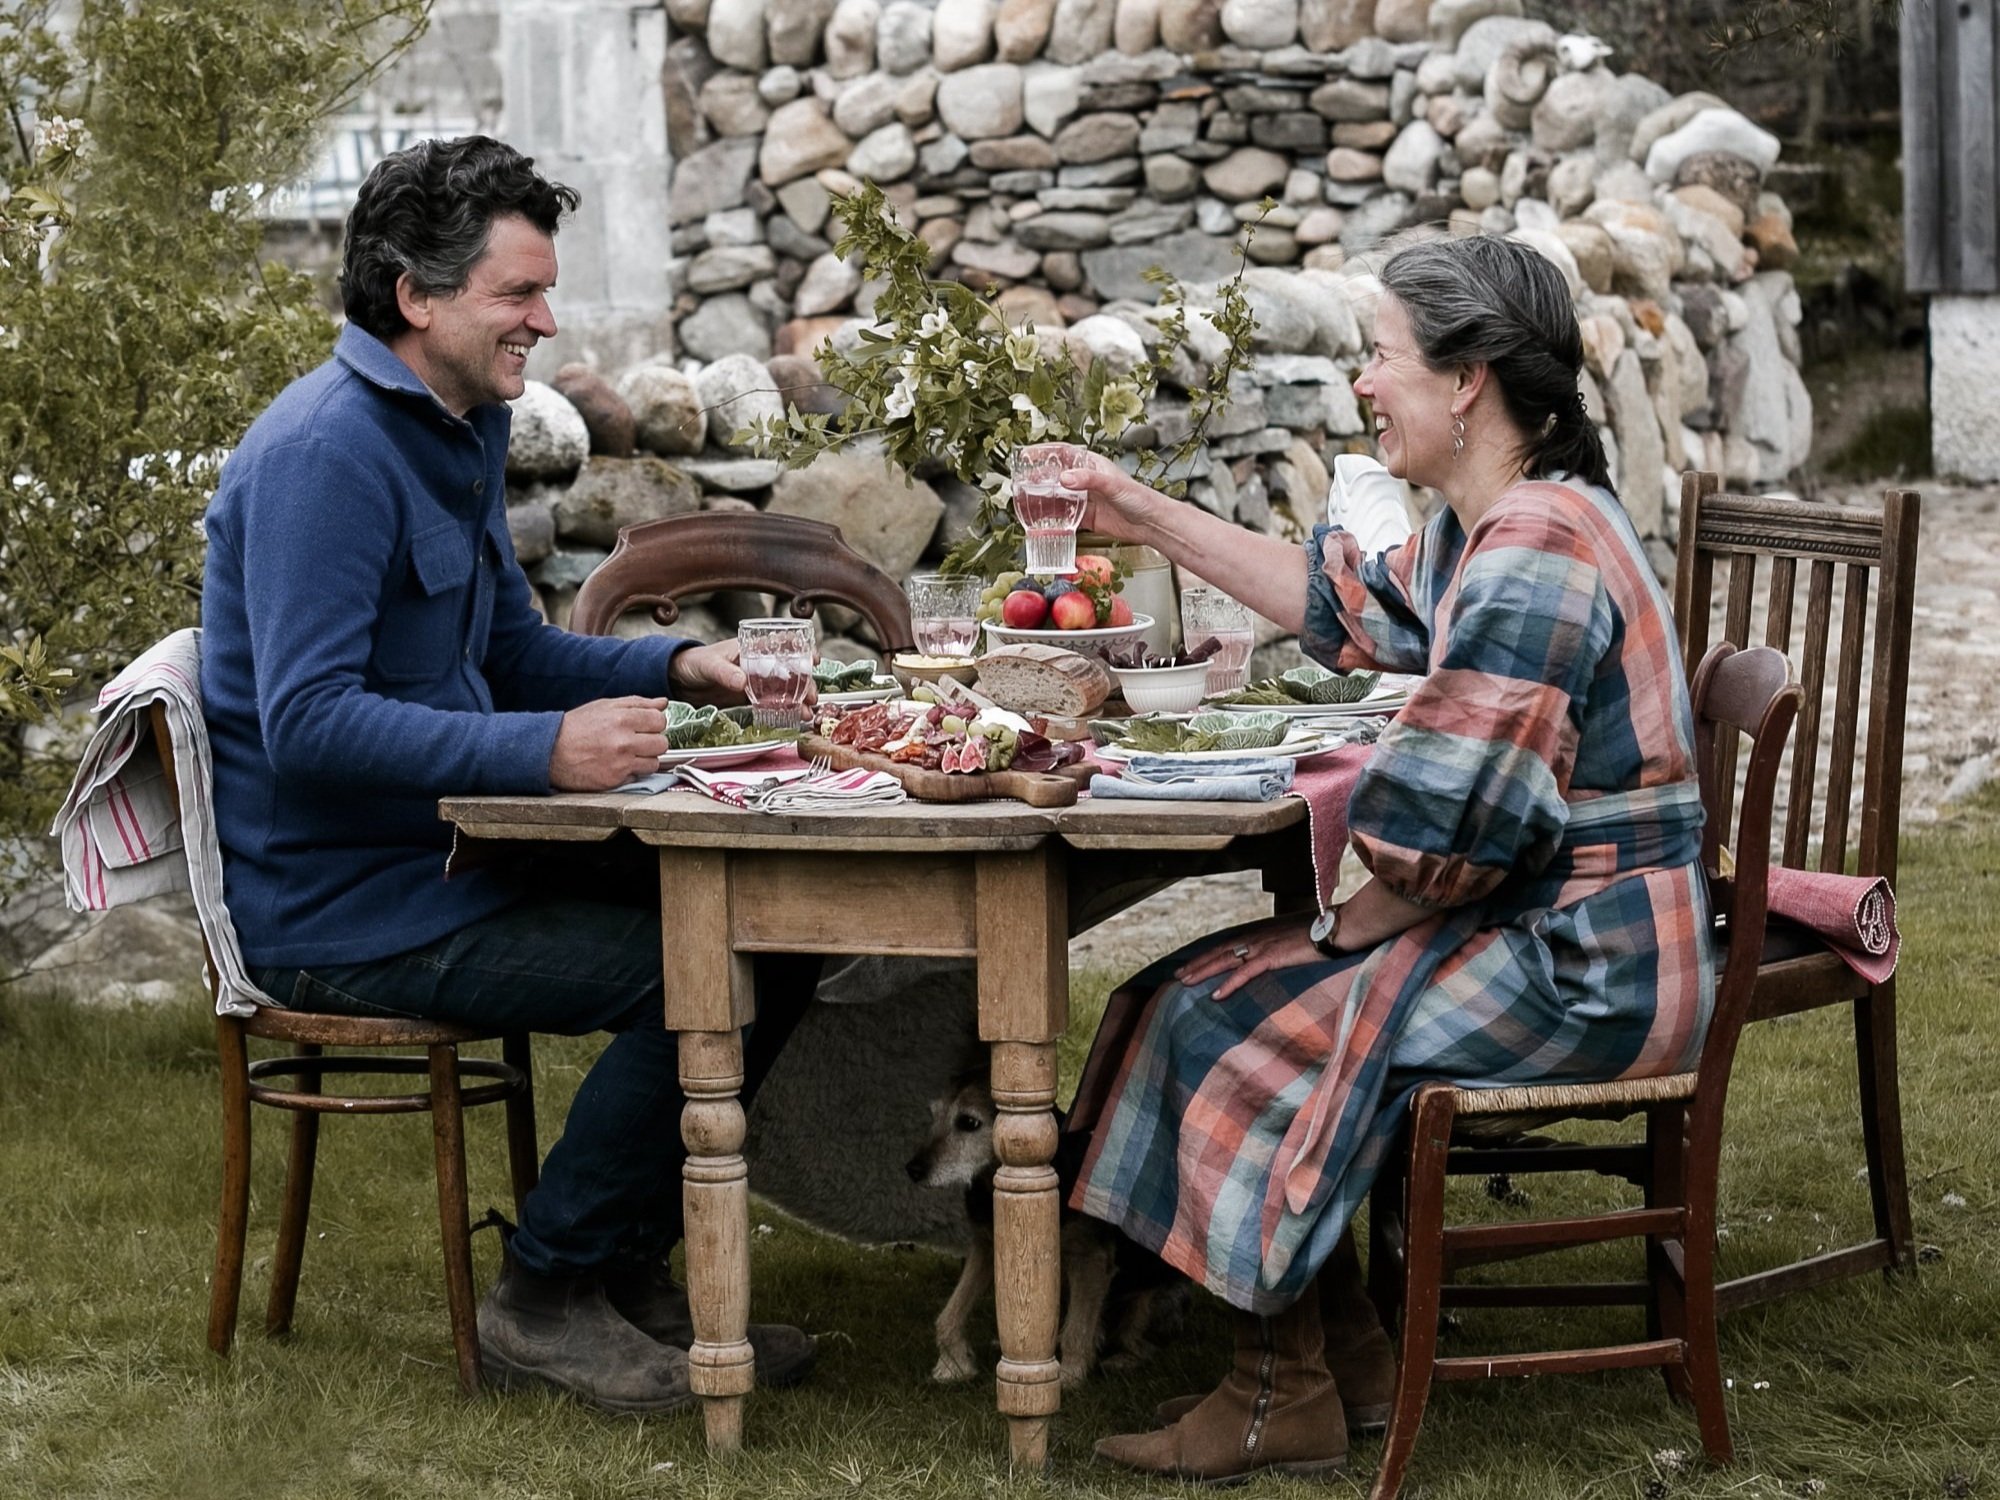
(709, 999)
(716, 1191)
(1023, 1006)
(1027, 1239)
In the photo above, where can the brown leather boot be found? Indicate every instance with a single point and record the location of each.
(1359, 1355)
(646, 1295)
(1276, 1409)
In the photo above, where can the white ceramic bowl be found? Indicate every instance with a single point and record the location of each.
(1163, 690)
(1083, 642)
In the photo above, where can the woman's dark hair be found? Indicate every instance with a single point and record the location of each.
(1486, 300)
(428, 210)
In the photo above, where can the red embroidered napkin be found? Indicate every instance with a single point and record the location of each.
(1856, 914)
(1326, 782)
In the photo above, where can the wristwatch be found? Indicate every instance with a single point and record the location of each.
(1325, 931)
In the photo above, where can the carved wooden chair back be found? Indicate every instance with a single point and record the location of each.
(658, 563)
(1790, 554)
(444, 1096)
(1736, 693)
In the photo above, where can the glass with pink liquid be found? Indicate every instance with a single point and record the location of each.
(777, 663)
(944, 612)
(1206, 613)
(1048, 513)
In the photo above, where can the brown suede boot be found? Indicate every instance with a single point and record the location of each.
(1359, 1355)
(1276, 1409)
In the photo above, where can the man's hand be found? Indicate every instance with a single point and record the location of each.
(608, 743)
(706, 674)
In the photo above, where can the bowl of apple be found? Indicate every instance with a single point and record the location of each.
(1081, 612)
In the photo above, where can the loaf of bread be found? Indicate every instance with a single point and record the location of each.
(1032, 679)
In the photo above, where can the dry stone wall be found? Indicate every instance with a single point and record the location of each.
(1053, 150)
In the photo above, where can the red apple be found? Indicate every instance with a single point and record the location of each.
(1092, 569)
(1024, 609)
(1121, 612)
(1073, 612)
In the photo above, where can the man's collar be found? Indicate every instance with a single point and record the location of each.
(373, 360)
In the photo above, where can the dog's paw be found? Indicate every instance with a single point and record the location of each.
(953, 1366)
(1124, 1362)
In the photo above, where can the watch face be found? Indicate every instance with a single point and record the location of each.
(1324, 923)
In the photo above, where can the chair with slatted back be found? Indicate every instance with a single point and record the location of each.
(1736, 692)
(445, 1097)
(656, 564)
(1777, 550)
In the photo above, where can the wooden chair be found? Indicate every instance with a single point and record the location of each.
(658, 563)
(1805, 544)
(445, 1096)
(1747, 691)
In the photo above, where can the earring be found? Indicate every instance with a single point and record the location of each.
(1457, 436)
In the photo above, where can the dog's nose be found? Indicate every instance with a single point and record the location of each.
(915, 1169)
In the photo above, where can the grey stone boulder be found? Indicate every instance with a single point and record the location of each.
(531, 526)
(1711, 130)
(981, 102)
(1329, 25)
(887, 520)
(866, 103)
(962, 33)
(735, 391)
(1664, 119)
(715, 178)
(728, 268)
(605, 415)
(1247, 174)
(1064, 231)
(1021, 27)
(666, 411)
(1118, 271)
(1097, 137)
(1080, 30)
(613, 493)
(1479, 49)
(1109, 341)
(800, 140)
(724, 325)
(549, 439)
(730, 102)
(829, 285)
(1449, 19)
(903, 37)
(801, 386)
(850, 38)
(884, 155)
(1050, 95)
(1261, 24)
(737, 34)
(1411, 164)
(1191, 25)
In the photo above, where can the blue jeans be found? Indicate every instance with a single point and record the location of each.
(611, 1186)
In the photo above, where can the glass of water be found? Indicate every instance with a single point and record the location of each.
(944, 612)
(777, 659)
(1048, 512)
(1209, 613)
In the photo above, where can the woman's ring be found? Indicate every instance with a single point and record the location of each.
(1241, 951)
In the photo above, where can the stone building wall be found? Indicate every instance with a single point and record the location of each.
(1053, 150)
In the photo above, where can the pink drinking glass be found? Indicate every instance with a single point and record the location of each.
(777, 664)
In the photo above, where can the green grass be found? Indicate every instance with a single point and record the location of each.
(108, 1168)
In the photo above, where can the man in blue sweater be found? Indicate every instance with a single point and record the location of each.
(369, 645)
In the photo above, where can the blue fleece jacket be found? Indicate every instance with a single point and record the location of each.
(368, 646)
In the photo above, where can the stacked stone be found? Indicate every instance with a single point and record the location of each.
(1051, 151)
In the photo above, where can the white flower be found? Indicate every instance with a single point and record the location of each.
(903, 399)
(218, 201)
(1038, 422)
(934, 323)
(58, 134)
(1024, 351)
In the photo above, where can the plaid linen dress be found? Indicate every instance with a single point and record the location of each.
(1537, 795)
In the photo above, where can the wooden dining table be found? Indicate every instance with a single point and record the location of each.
(1001, 883)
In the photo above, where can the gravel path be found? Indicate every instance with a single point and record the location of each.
(1952, 730)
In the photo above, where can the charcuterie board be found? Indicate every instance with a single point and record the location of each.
(1057, 788)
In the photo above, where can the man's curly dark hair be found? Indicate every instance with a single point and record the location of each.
(428, 210)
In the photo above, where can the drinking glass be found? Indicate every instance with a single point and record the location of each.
(1207, 612)
(944, 612)
(1047, 511)
(777, 664)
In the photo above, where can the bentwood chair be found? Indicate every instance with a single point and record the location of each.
(1804, 547)
(445, 1097)
(656, 564)
(1746, 692)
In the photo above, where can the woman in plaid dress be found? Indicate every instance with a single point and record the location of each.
(1531, 822)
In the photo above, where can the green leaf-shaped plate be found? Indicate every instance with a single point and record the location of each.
(1240, 731)
(1314, 684)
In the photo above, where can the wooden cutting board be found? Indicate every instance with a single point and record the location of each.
(1058, 788)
